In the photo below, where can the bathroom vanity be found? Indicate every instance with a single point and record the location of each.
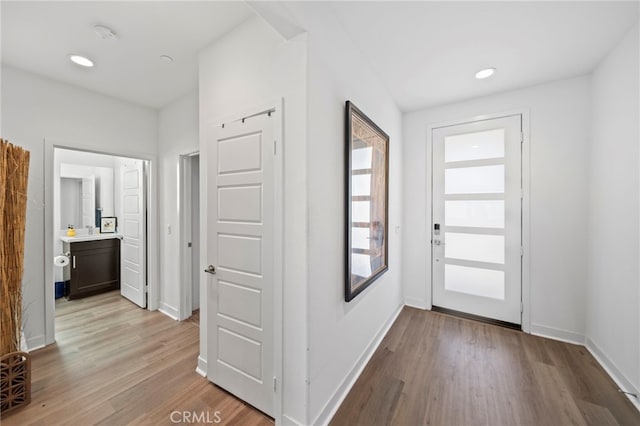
(95, 264)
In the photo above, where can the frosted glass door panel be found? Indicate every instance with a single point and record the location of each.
(361, 211)
(361, 158)
(475, 247)
(360, 238)
(474, 146)
(361, 264)
(474, 180)
(475, 281)
(361, 185)
(476, 213)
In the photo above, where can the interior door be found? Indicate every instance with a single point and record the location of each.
(133, 227)
(477, 220)
(240, 193)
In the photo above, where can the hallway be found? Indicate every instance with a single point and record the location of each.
(436, 369)
(117, 364)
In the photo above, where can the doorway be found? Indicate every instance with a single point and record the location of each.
(476, 227)
(105, 198)
(191, 270)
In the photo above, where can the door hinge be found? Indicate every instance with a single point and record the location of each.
(274, 147)
(275, 382)
(521, 307)
(521, 137)
(521, 251)
(522, 193)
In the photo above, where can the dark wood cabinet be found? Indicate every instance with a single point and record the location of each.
(95, 267)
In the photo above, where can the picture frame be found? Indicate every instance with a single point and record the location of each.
(108, 225)
(366, 201)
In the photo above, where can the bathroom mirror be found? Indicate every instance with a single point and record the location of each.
(86, 192)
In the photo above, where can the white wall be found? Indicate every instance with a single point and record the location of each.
(613, 325)
(177, 135)
(250, 66)
(559, 120)
(35, 108)
(341, 334)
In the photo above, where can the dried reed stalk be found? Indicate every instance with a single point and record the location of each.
(14, 173)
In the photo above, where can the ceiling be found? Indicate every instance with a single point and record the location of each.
(425, 53)
(39, 36)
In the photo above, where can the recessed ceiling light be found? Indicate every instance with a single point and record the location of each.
(105, 33)
(475, 146)
(487, 72)
(81, 60)
(166, 58)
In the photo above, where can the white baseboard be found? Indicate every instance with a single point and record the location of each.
(414, 302)
(557, 334)
(289, 421)
(343, 389)
(35, 342)
(201, 368)
(610, 367)
(169, 311)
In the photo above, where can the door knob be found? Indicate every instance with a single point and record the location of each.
(210, 269)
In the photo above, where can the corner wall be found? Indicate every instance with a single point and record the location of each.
(177, 135)
(342, 335)
(613, 303)
(559, 135)
(35, 108)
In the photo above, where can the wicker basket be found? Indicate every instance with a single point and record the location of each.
(15, 381)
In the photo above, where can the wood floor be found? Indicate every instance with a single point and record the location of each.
(117, 364)
(435, 369)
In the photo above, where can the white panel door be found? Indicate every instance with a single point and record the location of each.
(133, 227)
(89, 201)
(477, 220)
(240, 245)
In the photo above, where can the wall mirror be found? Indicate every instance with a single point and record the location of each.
(367, 198)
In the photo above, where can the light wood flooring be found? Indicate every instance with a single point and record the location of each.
(435, 369)
(117, 364)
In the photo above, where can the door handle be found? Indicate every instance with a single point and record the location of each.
(74, 262)
(210, 270)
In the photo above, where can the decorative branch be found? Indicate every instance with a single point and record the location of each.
(14, 173)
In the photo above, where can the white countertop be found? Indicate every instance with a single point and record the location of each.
(86, 237)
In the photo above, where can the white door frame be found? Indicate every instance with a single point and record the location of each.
(184, 217)
(278, 270)
(526, 221)
(152, 226)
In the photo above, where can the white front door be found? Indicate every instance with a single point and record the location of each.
(133, 227)
(240, 246)
(477, 223)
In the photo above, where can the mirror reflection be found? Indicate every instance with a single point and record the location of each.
(368, 198)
